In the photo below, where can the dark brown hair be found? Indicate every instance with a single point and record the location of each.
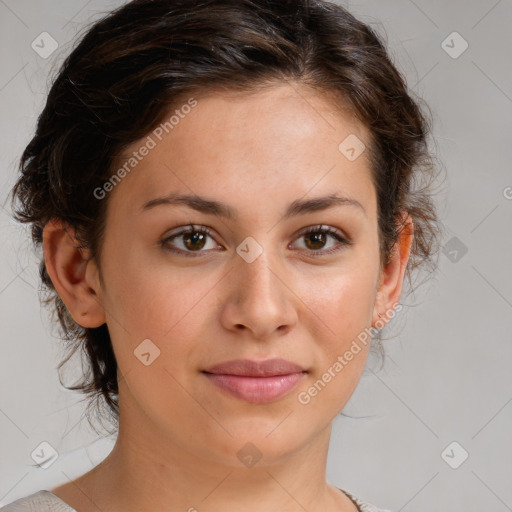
(132, 66)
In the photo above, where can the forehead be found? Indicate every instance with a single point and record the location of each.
(277, 142)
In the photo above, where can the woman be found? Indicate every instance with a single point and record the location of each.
(225, 197)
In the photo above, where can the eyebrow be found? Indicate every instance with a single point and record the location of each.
(212, 207)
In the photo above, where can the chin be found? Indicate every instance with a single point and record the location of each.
(261, 441)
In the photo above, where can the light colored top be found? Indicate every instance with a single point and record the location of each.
(45, 501)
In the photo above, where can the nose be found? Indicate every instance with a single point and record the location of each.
(260, 300)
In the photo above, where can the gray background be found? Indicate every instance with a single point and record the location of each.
(447, 377)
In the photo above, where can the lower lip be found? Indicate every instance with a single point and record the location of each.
(256, 389)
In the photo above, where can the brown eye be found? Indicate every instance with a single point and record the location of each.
(194, 240)
(189, 241)
(315, 241)
(317, 237)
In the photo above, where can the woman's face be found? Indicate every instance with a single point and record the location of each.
(256, 286)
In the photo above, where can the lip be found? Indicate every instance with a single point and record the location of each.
(256, 381)
(252, 368)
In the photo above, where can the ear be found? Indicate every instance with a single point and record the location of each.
(392, 275)
(74, 274)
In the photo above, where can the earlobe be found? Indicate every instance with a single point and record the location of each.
(73, 273)
(393, 274)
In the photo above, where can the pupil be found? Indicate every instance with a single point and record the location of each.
(192, 238)
(319, 240)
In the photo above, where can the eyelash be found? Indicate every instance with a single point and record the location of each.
(342, 242)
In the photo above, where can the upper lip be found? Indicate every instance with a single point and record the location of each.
(251, 368)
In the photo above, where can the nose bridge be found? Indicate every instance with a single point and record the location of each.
(258, 279)
(259, 300)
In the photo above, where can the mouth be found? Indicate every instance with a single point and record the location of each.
(256, 381)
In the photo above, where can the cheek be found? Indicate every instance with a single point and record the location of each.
(341, 307)
(158, 302)
(342, 313)
(147, 294)
(341, 301)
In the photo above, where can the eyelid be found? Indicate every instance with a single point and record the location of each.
(326, 228)
(188, 228)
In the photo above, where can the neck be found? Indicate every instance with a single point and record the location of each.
(148, 470)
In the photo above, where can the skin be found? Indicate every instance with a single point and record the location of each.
(179, 435)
